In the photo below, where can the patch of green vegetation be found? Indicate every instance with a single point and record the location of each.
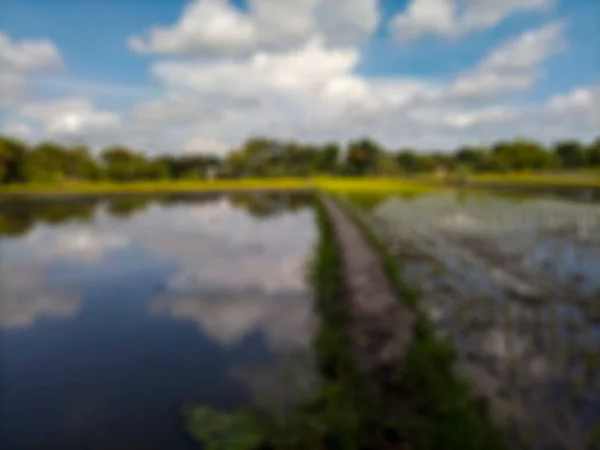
(371, 185)
(431, 407)
(222, 431)
(357, 185)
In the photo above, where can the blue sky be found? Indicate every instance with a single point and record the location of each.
(333, 69)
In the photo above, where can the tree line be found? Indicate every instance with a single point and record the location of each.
(17, 219)
(49, 162)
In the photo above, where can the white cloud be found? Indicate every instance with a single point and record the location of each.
(582, 103)
(314, 92)
(218, 27)
(514, 66)
(28, 55)
(206, 145)
(69, 117)
(12, 84)
(18, 129)
(18, 60)
(311, 68)
(454, 18)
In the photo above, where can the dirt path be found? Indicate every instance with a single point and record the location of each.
(380, 325)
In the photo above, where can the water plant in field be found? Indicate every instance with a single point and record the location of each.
(512, 262)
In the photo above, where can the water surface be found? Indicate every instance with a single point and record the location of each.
(115, 313)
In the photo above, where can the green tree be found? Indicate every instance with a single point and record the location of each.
(572, 154)
(123, 164)
(387, 164)
(593, 153)
(408, 161)
(46, 163)
(474, 158)
(362, 156)
(329, 158)
(12, 160)
(78, 164)
(522, 154)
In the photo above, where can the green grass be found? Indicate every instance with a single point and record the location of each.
(419, 184)
(367, 185)
(329, 184)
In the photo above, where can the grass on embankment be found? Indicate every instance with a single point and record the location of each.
(417, 184)
(329, 184)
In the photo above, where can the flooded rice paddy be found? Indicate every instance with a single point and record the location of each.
(515, 284)
(116, 313)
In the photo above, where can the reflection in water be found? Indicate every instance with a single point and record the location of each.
(27, 296)
(112, 319)
(515, 284)
(286, 322)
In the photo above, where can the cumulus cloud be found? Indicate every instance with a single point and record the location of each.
(206, 145)
(70, 116)
(28, 55)
(454, 18)
(218, 27)
(18, 60)
(17, 128)
(514, 66)
(70, 120)
(314, 91)
(583, 103)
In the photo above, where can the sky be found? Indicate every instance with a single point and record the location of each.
(173, 76)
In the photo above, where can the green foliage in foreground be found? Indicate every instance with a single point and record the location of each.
(220, 431)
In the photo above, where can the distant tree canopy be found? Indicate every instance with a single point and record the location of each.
(49, 162)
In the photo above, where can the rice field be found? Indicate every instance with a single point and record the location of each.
(515, 285)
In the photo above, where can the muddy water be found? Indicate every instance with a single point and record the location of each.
(515, 283)
(115, 313)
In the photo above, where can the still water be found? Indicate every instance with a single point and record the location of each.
(115, 313)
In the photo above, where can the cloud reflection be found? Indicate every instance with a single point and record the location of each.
(74, 243)
(237, 275)
(285, 324)
(26, 296)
